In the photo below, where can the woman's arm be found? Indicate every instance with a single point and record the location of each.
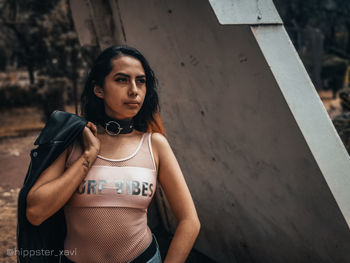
(180, 200)
(55, 186)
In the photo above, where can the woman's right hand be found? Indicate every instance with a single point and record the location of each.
(90, 140)
(56, 184)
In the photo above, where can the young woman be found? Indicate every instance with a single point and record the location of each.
(106, 182)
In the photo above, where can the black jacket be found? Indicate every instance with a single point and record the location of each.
(43, 243)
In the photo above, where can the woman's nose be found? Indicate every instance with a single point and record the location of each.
(132, 88)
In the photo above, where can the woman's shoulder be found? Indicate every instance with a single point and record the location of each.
(160, 143)
(160, 146)
(158, 138)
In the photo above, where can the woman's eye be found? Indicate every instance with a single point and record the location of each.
(142, 81)
(121, 80)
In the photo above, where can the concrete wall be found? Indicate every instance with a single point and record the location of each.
(267, 172)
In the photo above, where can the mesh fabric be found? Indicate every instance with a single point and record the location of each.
(108, 233)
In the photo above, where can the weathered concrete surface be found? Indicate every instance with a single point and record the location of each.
(83, 22)
(256, 168)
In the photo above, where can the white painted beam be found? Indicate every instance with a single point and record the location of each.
(245, 12)
(308, 111)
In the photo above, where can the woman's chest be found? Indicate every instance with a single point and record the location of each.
(108, 186)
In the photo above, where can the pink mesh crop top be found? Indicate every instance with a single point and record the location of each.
(107, 215)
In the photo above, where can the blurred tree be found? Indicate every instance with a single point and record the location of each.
(21, 33)
(341, 10)
(3, 59)
(40, 36)
(331, 17)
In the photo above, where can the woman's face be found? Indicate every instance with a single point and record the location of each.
(125, 88)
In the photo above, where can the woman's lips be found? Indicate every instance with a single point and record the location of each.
(132, 104)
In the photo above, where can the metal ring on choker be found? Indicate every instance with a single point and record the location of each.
(111, 132)
(114, 127)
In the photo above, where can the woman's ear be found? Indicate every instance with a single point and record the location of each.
(99, 92)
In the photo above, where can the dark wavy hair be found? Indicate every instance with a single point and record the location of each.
(92, 107)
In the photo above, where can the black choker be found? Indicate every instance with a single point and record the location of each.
(115, 127)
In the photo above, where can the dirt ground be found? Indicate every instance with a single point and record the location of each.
(18, 131)
(14, 160)
(8, 224)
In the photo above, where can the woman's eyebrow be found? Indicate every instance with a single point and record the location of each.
(121, 74)
(128, 76)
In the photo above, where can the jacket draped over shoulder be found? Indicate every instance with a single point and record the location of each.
(45, 242)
